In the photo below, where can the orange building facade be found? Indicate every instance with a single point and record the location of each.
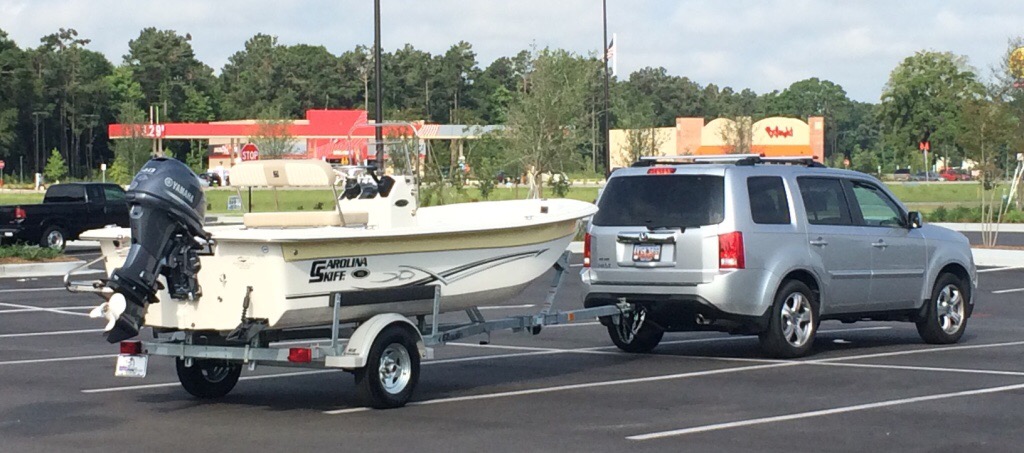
(775, 136)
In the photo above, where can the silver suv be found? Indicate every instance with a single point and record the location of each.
(749, 245)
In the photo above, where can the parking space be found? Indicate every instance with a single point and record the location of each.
(866, 386)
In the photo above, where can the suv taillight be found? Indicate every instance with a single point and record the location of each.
(586, 250)
(661, 171)
(730, 250)
(19, 213)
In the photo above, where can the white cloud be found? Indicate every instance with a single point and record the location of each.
(759, 44)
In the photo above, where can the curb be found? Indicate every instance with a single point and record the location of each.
(38, 269)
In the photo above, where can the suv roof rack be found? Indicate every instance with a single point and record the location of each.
(738, 159)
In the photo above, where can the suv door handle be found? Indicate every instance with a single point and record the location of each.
(819, 242)
(880, 244)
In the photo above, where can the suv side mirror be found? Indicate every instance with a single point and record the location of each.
(914, 220)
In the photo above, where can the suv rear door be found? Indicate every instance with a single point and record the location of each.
(843, 248)
(658, 228)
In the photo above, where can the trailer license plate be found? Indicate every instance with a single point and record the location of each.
(130, 365)
(646, 253)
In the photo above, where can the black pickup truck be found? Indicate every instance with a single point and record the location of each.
(67, 210)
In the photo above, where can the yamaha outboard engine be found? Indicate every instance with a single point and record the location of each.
(167, 207)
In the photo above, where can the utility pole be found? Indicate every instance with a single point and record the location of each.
(604, 116)
(378, 130)
(35, 118)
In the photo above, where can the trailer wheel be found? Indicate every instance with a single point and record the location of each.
(208, 378)
(392, 369)
(633, 333)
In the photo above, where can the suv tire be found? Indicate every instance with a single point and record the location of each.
(945, 316)
(633, 333)
(793, 321)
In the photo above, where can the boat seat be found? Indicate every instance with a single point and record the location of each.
(299, 219)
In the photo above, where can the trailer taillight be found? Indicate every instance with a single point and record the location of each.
(586, 250)
(300, 355)
(730, 251)
(131, 347)
(19, 213)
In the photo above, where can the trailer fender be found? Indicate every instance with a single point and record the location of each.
(358, 348)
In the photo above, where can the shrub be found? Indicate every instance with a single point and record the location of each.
(28, 252)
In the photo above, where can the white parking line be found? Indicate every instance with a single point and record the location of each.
(42, 334)
(30, 310)
(997, 269)
(48, 310)
(32, 290)
(58, 359)
(587, 385)
(821, 413)
(1004, 291)
(500, 307)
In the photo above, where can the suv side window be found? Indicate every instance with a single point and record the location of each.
(876, 208)
(825, 201)
(768, 202)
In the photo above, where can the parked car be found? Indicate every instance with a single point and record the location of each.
(926, 176)
(213, 179)
(67, 210)
(901, 174)
(755, 247)
(955, 174)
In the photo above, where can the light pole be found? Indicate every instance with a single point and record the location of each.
(35, 118)
(604, 115)
(89, 119)
(378, 109)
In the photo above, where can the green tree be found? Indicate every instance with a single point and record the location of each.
(132, 152)
(56, 167)
(15, 98)
(550, 121)
(272, 137)
(923, 99)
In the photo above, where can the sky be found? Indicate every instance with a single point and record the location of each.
(763, 45)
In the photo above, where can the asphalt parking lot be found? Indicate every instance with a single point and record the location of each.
(867, 386)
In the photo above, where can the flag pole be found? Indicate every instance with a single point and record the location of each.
(378, 112)
(604, 115)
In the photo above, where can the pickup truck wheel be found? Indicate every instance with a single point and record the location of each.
(945, 316)
(793, 321)
(53, 237)
(392, 369)
(633, 333)
(208, 378)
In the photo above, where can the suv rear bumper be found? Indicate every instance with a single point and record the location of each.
(737, 301)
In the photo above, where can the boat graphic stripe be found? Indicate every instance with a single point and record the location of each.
(452, 274)
(465, 240)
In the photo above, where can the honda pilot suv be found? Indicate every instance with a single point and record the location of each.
(749, 245)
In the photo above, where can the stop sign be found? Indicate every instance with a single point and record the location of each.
(250, 152)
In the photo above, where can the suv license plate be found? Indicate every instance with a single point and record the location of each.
(130, 365)
(646, 253)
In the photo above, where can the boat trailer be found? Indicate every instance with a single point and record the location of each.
(383, 352)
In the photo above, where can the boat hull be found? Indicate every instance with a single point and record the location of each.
(290, 283)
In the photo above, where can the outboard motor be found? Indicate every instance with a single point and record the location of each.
(166, 211)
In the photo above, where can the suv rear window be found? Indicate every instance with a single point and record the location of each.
(662, 201)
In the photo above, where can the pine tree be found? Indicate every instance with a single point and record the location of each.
(56, 168)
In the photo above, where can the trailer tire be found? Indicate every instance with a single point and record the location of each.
(208, 379)
(392, 369)
(634, 333)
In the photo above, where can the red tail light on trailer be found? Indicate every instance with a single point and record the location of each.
(300, 355)
(730, 251)
(131, 347)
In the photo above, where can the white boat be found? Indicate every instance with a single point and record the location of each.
(282, 269)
